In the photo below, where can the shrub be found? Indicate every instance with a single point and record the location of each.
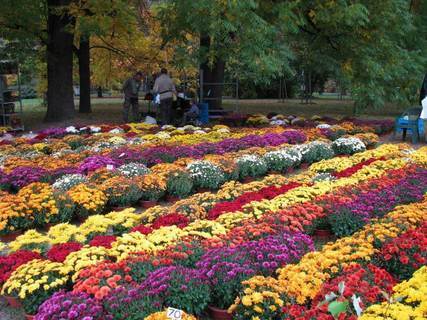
(282, 160)
(345, 223)
(348, 146)
(206, 174)
(179, 183)
(316, 151)
(251, 166)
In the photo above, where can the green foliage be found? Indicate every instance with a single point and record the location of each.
(345, 223)
(316, 151)
(242, 32)
(251, 166)
(206, 174)
(179, 184)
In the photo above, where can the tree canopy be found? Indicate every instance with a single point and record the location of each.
(376, 47)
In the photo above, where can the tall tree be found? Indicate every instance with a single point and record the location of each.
(60, 97)
(47, 23)
(375, 46)
(226, 34)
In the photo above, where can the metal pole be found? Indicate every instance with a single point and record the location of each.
(201, 85)
(236, 109)
(286, 90)
(20, 98)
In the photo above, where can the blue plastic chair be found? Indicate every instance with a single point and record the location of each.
(409, 120)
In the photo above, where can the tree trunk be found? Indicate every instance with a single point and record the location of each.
(212, 74)
(60, 97)
(84, 74)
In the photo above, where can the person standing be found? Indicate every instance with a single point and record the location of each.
(164, 87)
(131, 92)
(423, 116)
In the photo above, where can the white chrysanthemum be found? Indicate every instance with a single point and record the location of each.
(116, 130)
(66, 182)
(348, 145)
(95, 129)
(71, 129)
(133, 170)
(323, 126)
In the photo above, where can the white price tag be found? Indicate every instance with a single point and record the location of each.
(110, 167)
(174, 314)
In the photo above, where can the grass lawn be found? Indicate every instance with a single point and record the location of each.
(108, 110)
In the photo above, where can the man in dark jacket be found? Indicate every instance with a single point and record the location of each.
(131, 91)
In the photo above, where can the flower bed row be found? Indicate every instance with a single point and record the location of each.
(407, 302)
(129, 247)
(302, 282)
(108, 280)
(51, 159)
(74, 195)
(203, 203)
(101, 224)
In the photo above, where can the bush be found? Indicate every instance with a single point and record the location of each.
(348, 146)
(206, 174)
(179, 183)
(281, 160)
(345, 223)
(316, 151)
(183, 288)
(251, 166)
(403, 255)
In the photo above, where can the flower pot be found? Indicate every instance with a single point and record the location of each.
(290, 170)
(81, 219)
(219, 314)
(47, 226)
(201, 190)
(323, 233)
(276, 172)
(304, 165)
(147, 203)
(248, 179)
(13, 302)
(172, 199)
(10, 237)
(29, 317)
(118, 208)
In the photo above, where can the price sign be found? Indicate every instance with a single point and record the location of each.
(174, 314)
(110, 167)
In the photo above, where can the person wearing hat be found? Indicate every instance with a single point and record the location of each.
(131, 92)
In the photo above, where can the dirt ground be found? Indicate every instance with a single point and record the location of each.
(109, 110)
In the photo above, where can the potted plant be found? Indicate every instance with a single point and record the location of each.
(181, 287)
(47, 277)
(348, 145)
(10, 263)
(206, 175)
(88, 200)
(100, 279)
(153, 188)
(74, 305)
(322, 228)
(132, 303)
(282, 160)
(179, 185)
(251, 166)
(344, 223)
(314, 152)
(121, 192)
